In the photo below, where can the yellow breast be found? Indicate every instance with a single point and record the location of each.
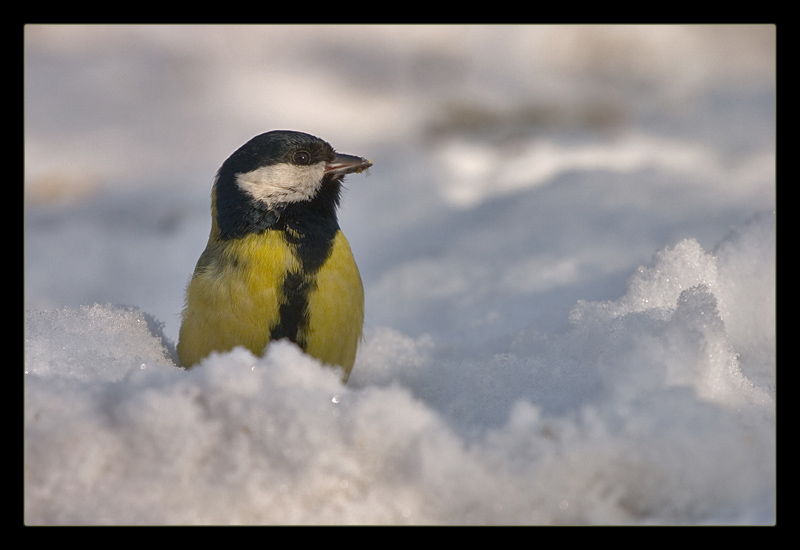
(236, 292)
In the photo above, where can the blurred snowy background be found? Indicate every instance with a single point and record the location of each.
(567, 244)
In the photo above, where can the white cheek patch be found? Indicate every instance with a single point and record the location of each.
(282, 183)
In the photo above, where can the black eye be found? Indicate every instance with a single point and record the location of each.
(301, 157)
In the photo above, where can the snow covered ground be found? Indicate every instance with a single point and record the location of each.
(567, 243)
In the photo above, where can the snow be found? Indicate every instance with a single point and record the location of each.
(568, 249)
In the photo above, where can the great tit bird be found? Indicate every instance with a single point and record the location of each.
(276, 264)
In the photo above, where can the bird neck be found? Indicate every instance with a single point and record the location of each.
(316, 214)
(236, 216)
(311, 226)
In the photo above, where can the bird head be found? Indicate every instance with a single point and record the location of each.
(273, 171)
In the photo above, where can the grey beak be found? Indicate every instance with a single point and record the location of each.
(347, 164)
